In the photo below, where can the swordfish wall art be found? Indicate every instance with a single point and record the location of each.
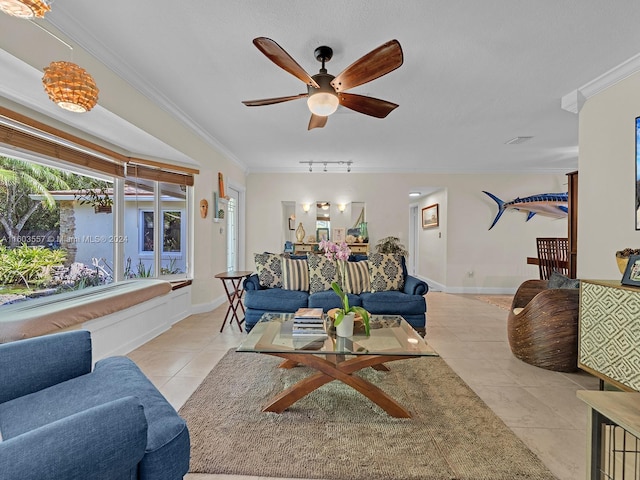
(548, 204)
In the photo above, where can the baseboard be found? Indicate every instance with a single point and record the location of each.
(208, 306)
(438, 287)
(481, 290)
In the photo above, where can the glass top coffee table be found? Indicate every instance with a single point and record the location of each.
(336, 358)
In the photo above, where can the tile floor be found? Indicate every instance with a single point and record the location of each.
(538, 405)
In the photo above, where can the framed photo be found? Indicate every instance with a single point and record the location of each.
(430, 216)
(632, 272)
(339, 235)
(292, 223)
(322, 234)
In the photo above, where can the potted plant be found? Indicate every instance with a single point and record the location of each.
(97, 197)
(344, 316)
(391, 245)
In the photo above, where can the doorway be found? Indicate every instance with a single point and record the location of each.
(412, 264)
(235, 228)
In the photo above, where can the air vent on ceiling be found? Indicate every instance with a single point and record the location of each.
(517, 140)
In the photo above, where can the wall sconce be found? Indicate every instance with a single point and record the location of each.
(341, 207)
(306, 207)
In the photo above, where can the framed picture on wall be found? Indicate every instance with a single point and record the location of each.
(322, 234)
(339, 235)
(632, 272)
(292, 223)
(430, 216)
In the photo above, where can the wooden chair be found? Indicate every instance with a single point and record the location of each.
(553, 256)
(543, 326)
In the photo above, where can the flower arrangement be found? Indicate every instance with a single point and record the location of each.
(340, 253)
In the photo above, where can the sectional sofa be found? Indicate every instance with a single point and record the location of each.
(378, 282)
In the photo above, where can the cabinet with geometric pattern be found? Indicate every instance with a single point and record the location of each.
(609, 332)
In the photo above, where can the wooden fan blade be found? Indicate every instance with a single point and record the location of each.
(271, 101)
(317, 121)
(375, 64)
(367, 105)
(277, 55)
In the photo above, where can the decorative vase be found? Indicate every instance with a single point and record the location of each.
(300, 233)
(345, 328)
(358, 322)
(364, 233)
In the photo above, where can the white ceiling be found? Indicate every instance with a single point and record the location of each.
(475, 74)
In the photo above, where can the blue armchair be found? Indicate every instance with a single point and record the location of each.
(59, 420)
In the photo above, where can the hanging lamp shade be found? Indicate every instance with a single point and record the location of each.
(70, 86)
(25, 8)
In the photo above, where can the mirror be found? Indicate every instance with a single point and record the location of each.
(323, 221)
(326, 220)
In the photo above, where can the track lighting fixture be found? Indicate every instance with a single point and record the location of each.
(327, 163)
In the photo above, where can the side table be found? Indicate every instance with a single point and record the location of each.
(232, 283)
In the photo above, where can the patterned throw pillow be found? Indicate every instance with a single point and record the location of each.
(356, 278)
(322, 272)
(269, 268)
(385, 271)
(295, 274)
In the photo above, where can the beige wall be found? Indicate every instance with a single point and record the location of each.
(497, 258)
(606, 211)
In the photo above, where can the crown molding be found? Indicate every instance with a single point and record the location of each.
(573, 101)
(88, 42)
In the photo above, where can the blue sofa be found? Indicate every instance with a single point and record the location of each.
(410, 302)
(59, 420)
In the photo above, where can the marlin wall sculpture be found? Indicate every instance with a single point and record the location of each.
(548, 204)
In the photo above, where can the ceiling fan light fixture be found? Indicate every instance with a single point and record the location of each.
(323, 103)
(25, 8)
(70, 86)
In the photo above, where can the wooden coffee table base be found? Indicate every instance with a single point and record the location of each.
(339, 369)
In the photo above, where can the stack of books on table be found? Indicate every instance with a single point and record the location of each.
(309, 321)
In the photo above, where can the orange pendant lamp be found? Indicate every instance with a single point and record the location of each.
(25, 8)
(70, 86)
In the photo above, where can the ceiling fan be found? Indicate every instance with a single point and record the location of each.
(324, 91)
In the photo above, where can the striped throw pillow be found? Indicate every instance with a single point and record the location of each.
(295, 274)
(356, 278)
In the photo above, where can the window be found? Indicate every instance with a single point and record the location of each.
(148, 204)
(58, 236)
(55, 235)
(171, 233)
(72, 244)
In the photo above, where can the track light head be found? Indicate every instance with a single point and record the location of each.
(326, 164)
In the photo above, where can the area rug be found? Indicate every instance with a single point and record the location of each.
(502, 301)
(337, 433)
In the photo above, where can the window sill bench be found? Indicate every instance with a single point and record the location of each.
(121, 316)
